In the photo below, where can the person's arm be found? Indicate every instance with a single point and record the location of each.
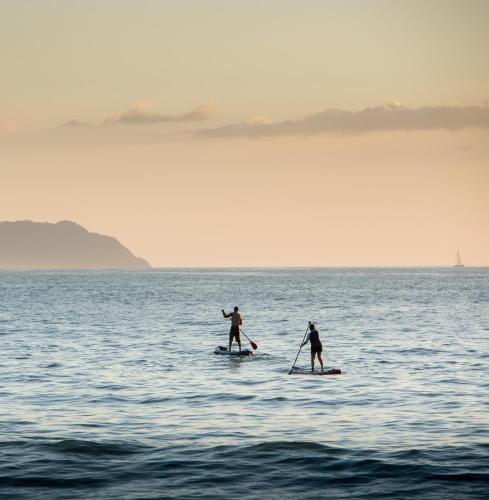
(240, 320)
(224, 314)
(307, 339)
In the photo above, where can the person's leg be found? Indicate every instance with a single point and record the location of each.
(313, 354)
(238, 338)
(320, 357)
(230, 341)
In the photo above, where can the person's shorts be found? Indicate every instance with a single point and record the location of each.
(317, 349)
(234, 332)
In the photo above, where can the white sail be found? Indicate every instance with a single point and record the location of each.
(459, 261)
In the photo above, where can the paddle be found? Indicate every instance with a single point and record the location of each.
(255, 347)
(304, 338)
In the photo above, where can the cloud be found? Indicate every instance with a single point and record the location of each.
(138, 115)
(259, 120)
(75, 124)
(391, 116)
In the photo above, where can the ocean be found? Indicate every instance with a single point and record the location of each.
(110, 388)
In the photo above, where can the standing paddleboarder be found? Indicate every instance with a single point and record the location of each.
(316, 346)
(236, 322)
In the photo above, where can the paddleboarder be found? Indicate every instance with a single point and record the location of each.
(236, 322)
(316, 346)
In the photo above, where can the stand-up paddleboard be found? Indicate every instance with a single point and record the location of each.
(224, 350)
(302, 371)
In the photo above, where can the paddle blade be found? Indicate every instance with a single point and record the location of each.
(255, 347)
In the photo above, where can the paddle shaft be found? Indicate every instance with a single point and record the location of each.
(251, 342)
(304, 338)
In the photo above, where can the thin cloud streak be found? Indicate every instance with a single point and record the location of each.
(75, 124)
(392, 116)
(137, 115)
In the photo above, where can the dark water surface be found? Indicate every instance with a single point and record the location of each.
(109, 388)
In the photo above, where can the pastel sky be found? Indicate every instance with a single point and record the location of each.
(252, 133)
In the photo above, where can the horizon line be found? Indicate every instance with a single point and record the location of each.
(152, 268)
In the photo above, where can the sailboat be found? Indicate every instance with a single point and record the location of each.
(459, 261)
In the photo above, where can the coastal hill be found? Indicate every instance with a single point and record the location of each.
(64, 245)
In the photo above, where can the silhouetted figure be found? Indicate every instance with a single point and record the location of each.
(235, 324)
(316, 346)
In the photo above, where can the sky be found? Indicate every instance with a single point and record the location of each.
(252, 133)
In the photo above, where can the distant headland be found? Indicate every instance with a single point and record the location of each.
(64, 245)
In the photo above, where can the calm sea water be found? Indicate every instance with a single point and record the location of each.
(110, 388)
